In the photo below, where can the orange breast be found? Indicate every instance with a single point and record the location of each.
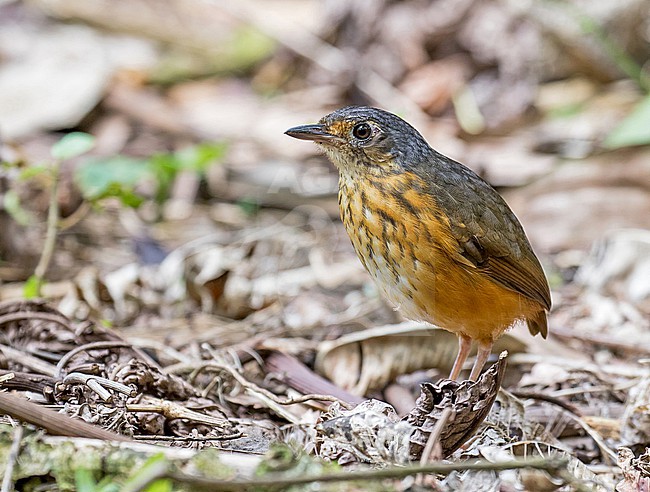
(405, 242)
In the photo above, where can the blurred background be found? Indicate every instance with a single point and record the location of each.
(188, 100)
(145, 180)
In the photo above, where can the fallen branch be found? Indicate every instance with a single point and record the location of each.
(274, 482)
(55, 423)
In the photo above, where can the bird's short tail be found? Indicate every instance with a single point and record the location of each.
(538, 324)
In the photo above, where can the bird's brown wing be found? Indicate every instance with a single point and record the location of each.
(489, 236)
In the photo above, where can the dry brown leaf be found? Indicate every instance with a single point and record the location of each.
(370, 359)
(635, 424)
(608, 428)
(372, 432)
(369, 433)
(636, 471)
(470, 402)
(506, 424)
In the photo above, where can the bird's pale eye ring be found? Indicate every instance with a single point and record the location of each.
(362, 131)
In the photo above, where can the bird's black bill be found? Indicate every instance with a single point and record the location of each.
(315, 133)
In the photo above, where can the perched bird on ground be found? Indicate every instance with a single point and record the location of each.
(439, 241)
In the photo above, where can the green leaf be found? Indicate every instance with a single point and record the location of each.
(11, 203)
(199, 157)
(164, 168)
(124, 193)
(108, 484)
(85, 481)
(249, 206)
(32, 287)
(33, 171)
(633, 130)
(161, 485)
(72, 145)
(148, 474)
(111, 177)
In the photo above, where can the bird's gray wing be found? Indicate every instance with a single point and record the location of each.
(490, 237)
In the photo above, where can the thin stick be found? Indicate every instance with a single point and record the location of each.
(226, 437)
(613, 343)
(27, 360)
(548, 398)
(7, 482)
(97, 383)
(21, 315)
(600, 442)
(52, 219)
(55, 423)
(89, 346)
(271, 482)
(261, 391)
(434, 437)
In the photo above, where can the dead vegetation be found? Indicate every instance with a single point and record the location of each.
(210, 300)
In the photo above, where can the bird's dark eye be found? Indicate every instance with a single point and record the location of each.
(362, 131)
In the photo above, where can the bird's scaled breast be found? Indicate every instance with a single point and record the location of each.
(404, 240)
(383, 233)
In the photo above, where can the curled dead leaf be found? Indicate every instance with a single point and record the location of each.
(372, 433)
(470, 401)
(370, 359)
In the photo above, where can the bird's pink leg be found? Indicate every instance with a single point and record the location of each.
(484, 351)
(464, 346)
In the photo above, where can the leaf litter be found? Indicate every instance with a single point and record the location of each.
(223, 324)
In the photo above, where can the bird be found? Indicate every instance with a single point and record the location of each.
(439, 241)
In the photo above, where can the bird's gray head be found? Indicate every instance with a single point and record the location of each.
(363, 139)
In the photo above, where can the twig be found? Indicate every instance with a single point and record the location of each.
(75, 217)
(600, 442)
(6, 376)
(299, 377)
(89, 346)
(627, 370)
(25, 381)
(55, 423)
(550, 399)
(27, 360)
(21, 315)
(99, 384)
(434, 437)
(7, 482)
(173, 410)
(261, 391)
(226, 437)
(52, 219)
(594, 389)
(170, 352)
(273, 482)
(613, 343)
(146, 358)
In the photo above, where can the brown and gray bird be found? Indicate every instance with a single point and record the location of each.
(439, 241)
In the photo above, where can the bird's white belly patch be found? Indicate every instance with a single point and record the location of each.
(395, 287)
